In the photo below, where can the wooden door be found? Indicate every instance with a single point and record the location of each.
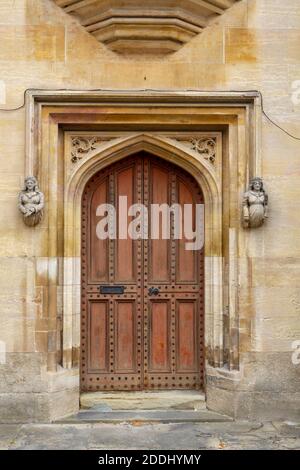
(142, 318)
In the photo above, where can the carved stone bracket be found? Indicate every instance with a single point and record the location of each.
(82, 145)
(204, 146)
(31, 202)
(255, 204)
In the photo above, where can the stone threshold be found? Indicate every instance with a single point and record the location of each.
(165, 406)
(144, 400)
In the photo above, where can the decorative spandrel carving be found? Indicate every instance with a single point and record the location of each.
(204, 146)
(81, 146)
(31, 202)
(255, 204)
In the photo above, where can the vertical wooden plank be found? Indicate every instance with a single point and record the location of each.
(98, 253)
(159, 337)
(159, 248)
(186, 258)
(125, 338)
(124, 247)
(98, 318)
(186, 336)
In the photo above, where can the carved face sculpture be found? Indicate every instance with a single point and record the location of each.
(256, 185)
(31, 202)
(30, 184)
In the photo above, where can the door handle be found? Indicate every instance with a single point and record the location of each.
(153, 290)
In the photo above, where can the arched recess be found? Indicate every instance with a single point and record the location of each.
(203, 173)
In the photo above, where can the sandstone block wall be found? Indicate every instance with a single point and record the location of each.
(254, 46)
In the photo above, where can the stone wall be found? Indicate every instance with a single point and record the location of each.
(254, 46)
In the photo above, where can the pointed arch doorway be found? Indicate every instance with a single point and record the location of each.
(142, 303)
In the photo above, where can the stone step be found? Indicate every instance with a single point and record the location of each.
(174, 399)
(143, 416)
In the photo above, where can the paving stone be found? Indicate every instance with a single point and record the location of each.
(51, 436)
(290, 443)
(288, 428)
(8, 434)
(237, 427)
(126, 436)
(153, 436)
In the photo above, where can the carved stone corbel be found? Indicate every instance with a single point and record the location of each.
(255, 204)
(31, 202)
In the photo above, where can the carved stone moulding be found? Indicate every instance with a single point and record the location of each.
(145, 27)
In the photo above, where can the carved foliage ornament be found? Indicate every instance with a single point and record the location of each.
(204, 146)
(82, 146)
(31, 202)
(255, 204)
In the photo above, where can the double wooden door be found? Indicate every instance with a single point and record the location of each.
(142, 308)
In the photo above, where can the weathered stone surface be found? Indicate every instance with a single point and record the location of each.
(264, 406)
(288, 428)
(261, 45)
(214, 436)
(35, 42)
(24, 407)
(23, 373)
(63, 403)
(8, 434)
(51, 437)
(275, 405)
(260, 373)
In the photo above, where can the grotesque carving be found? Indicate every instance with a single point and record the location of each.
(31, 202)
(255, 204)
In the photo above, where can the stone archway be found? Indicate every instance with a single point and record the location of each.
(200, 170)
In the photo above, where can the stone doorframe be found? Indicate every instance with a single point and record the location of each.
(72, 135)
